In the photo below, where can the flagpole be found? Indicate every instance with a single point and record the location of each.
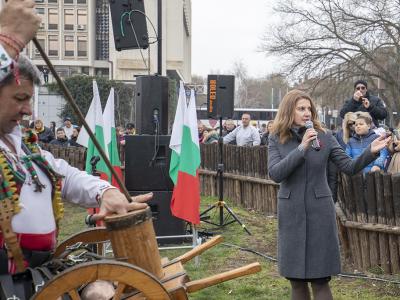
(81, 118)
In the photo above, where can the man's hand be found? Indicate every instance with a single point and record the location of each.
(365, 102)
(113, 201)
(18, 19)
(357, 95)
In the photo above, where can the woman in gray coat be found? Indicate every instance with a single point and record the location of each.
(308, 246)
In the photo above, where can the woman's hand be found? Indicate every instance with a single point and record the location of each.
(308, 137)
(379, 143)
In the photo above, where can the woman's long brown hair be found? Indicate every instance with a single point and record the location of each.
(285, 116)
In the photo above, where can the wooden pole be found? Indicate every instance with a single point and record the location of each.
(81, 118)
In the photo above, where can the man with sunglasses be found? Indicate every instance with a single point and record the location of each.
(362, 100)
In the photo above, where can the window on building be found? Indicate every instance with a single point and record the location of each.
(69, 19)
(41, 12)
(74, 70)
(82, 19)
(69, 45)
(62, 71)
(53, 45)
(42, 42)
(82, 46)
(81, 1)
(85, 70)
(101, 72)
(53, 18)
(53, 1)
(68, 1)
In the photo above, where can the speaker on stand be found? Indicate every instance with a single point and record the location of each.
(151, 105)
(220, 95)
(129, 24)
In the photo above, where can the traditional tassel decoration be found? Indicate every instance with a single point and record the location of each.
(11, 180)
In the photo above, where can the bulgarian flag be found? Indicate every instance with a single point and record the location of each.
(185, 160)
(110, 137)
(94, 118)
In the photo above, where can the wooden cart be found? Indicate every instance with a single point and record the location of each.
(136, 270)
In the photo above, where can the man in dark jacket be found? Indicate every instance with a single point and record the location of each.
(61, 139)
(362, 100)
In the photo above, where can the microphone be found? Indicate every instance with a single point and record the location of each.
(155, 115)
(94, 160)
(315, 143)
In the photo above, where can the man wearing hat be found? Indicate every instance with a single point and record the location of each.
(68, 127)
(362, 100)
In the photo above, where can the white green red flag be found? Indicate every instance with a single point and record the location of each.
(110, 137)
(185, 160)
(94, 118)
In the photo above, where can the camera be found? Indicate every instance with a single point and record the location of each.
(387, 134)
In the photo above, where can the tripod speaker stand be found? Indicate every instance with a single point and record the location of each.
(220, 205)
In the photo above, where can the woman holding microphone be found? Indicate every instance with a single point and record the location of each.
(298, 154)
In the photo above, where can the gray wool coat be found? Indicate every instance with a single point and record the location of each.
(308, 245)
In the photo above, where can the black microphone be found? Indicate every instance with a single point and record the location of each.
(94, 160)
(315, 143)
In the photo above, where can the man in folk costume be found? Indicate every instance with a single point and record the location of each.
(32, 182)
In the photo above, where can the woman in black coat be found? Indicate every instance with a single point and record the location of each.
(308, 246)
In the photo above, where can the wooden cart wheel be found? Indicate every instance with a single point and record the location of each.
(88, 236)
(123, 274)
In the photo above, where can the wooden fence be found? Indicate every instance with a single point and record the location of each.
(368, 214)
(246, 180)
(75, 156)
(368, 208)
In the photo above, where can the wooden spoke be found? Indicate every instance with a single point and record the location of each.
(74, 294)
(118, 292)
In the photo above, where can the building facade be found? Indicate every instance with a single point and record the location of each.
(77, 36)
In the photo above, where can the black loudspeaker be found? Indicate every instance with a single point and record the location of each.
(129, 24)
(151, 105)
(147, 160)
(220, 95)
(165, 224)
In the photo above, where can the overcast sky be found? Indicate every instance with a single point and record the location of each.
(226, 31)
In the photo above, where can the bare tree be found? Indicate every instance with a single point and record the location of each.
(338, 41)
(241, 78)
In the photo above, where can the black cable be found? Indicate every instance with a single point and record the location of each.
(344, 275)
(156, 143)
(252, 251)
(134, 31)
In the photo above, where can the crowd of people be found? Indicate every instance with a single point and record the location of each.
(308, 247)
(63, 136)
(248, 133)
